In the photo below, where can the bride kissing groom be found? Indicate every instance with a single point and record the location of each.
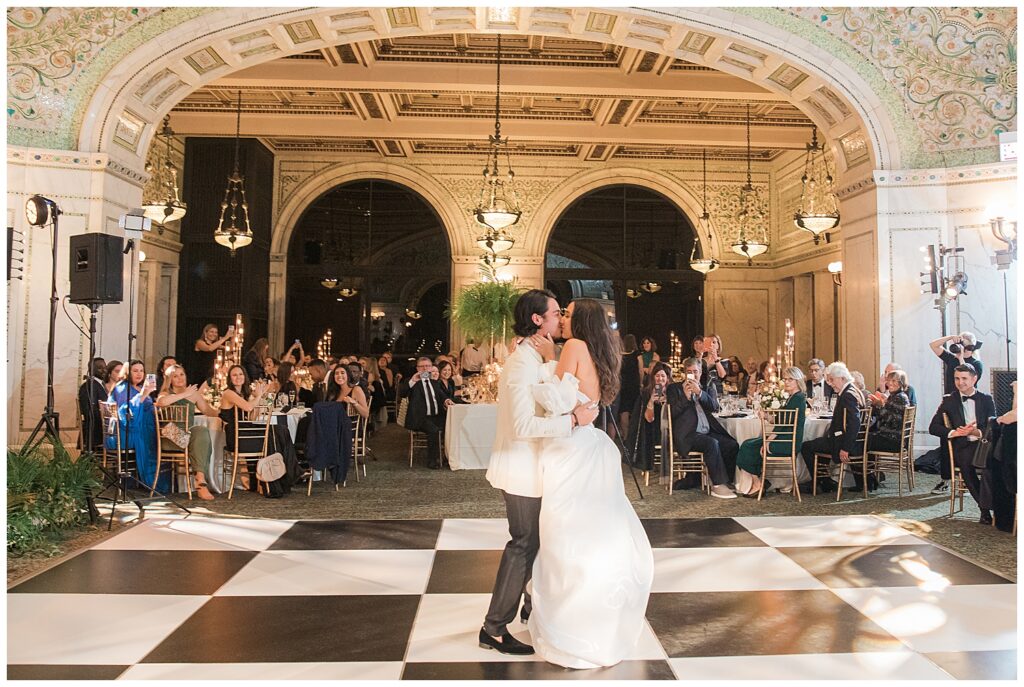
(578, 556)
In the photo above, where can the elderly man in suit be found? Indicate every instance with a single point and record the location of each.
(841, 439)
(960, 422)
(817, 387)
(694, 428)
(515, 466)
(428, 408)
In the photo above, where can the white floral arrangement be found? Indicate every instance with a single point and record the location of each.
(772, 395)
(212, 395)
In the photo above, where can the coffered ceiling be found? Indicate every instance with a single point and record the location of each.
(561, 97)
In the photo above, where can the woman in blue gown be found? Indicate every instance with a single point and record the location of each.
(138, 422)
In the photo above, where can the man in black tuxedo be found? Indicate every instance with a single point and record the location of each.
(317, 373)
(960, 422)
(90, 395)
(841, 439)
(694, 428)
(817, 387)
(428, 405)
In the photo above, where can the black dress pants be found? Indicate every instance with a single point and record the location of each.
(812, 446)
(516, 567)
(432, 426)
(719, 454)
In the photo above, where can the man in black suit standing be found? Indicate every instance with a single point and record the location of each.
(841, 439)
(428, 405)
(90, 395)
(960, 422)
(694, 428)
(817, 387)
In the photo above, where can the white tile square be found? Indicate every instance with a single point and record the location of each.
(69, 628)
(852, 530)
(974, 617)
(473, 534)
(447, 629)
(882, 665)
(199, 534)
(728, 569)
(368, 670)
(332, 573)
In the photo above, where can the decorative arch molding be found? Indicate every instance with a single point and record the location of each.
(304, 195)
(150, 78)
(565, 194)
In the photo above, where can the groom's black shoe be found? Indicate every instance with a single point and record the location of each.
(524, 614)
(508, 644)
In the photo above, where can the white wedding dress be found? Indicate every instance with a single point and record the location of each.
(592, 575)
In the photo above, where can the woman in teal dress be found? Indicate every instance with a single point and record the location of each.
(138, 422)
(648, 356)
(749, 456)
(176, 391)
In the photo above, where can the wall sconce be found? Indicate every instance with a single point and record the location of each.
(1005, 231)
(836, 270)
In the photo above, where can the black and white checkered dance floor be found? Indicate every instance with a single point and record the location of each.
(742, 598)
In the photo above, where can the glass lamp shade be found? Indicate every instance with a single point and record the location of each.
(633, 293)
(651, 286)
(412, 314)
(495, 243)
(497, 217)
(817, 224)
(238, 239)
(162, 213)
(704, 265)
(329, 283)
(749, 249)
(495, 260)
(347, 292)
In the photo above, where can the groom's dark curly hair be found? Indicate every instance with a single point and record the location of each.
(533, 302)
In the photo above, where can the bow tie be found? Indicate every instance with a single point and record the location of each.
(965, 399)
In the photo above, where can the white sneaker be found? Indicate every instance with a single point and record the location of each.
(721, 491)
(941, 488)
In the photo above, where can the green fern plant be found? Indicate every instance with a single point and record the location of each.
(485, 311)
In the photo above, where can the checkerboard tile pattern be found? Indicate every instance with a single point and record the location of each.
(742, 598)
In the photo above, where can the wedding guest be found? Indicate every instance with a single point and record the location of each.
(112, 375)
(1001, 476)
(240, 395)
(177, 391)
(735, 381)
(378, 395)
(887, 430)
(961, 351)
(318, 376)
(749, 456)
(629, 380)
(858, 380)
(357, 376)
(254, 357)
(751, 375)
(138, 422)
(90, 395)
(295, 355)
(840, 441)
(387, 378)
(270, 367)
(765, 372)
(342, 389)
(817, 388)
(648, 356)
(883, 387)
(714, 370)
(473, 359)
(205, 350)
(450, 381)
(645, 427)
(164, 363)
(285, 382)
(428, 404)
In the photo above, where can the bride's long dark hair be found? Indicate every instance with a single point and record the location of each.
(590, 325)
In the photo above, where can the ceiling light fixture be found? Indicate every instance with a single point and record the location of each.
(235, 236)
(170, 207)
(818, 212)
(704, 265)
(752, 239)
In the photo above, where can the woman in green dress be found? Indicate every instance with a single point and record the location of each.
(648, 356)
(749, 456)
(177, 391)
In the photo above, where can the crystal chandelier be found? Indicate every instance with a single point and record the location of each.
(498, 206)
(751, 216)
(234, 236)
(702, 264)
(818, 212)
(170, 208)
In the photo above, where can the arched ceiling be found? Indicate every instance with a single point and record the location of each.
(405, 96)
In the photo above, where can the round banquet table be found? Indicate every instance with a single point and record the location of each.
(469, 433)
(743, 428)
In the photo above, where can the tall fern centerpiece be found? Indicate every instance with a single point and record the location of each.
(485, 311)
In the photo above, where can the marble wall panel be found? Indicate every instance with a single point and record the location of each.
(741, 316)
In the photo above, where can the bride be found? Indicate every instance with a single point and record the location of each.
(593, 572)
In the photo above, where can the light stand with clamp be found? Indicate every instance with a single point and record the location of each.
(627, 456)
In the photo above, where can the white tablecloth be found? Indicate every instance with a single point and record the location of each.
(469, 435)
(215, 479)
(743, 428)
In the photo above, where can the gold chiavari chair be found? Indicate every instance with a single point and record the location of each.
(167, 451)
(863, 460)
(902, 460)
(779, 426)
(250, 440)
(416, 439)
(679, 465)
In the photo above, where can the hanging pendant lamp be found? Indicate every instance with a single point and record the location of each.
(237, 234)
(752, 236)
(704, 265)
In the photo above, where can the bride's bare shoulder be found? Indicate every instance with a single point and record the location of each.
(575, 347)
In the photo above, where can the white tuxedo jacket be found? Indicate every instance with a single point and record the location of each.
(515, 458)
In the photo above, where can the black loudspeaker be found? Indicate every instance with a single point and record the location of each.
(1002, 392)
(96, 265)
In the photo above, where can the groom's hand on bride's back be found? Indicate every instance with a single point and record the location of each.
(586, 413)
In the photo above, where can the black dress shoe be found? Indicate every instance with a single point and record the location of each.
(524, 614)
(828, 485)
(986, 518)
(434, 466)
(508, 645)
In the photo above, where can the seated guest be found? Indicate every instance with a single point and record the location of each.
(177, 391)
(378, 393)
(138, 421)
(112, 375)
(318, 375)
(694, 428)
(645, 416)
(1001, 475)
(357, 376)
(960, 421)
(751, 374)
(164, 363)
(765, 372)
(887, 430)
(858, 380)
(240, 395)
(749, 456)
(428, 404)
(840, 441)
(343, 390)
(253, 359)
(735, 381)
(387, 378)
(285, 382)
(90, 395)
(817, 388)
(883, 386)
(270, 366)
(451, 383)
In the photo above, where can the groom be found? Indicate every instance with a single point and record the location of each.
(515, 461)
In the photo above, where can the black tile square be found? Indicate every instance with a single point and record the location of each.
(64, 672)
(463, 572)
(686, 533)
(536, 670)
(977, 665)
(762, 623)
(887, 565)
(108, 571)
(326, 535)
(292, 629)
